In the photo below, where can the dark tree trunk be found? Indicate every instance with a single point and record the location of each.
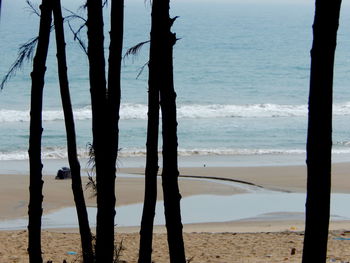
(85, 232)
(107, 189)
(36, 182)
(319, 140)
(163, 41)
(101, 129)
(151, 171)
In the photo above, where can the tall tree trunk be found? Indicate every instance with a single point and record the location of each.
(151, 171)
(319, 140)
(101, 129)
(85, 232)
(164, 40)
(113, 106)
(36, 182)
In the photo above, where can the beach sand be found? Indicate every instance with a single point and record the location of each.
(204, 247)
(269, 239)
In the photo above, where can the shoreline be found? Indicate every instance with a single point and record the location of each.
(193, 181)
(268, 237)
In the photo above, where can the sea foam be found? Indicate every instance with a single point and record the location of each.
(130, 111)
(139, 111)
(61, 153)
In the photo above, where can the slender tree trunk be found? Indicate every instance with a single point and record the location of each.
(36, 182)
(85, 232)
(319, 140)
(164, 40)
(112, 136)
(105, 170)
(151, 171)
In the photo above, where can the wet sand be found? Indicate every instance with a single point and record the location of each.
(263, 239)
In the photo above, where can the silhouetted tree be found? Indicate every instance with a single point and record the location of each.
(105, 114)
(163, 41)
(85, 232)
(99, 119)
(107, 189)
(319, 139)
(36, 182)
(151, 171)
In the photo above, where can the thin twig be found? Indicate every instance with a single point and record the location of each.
(33, 8)
(141, 69)
(73, 15)
(77, 37)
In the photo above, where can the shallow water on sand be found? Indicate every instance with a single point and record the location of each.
(262, 205)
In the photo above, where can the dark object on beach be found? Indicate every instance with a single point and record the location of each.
(63, 173)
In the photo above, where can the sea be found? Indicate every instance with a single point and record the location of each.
(241, 73)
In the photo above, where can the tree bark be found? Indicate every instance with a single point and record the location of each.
(164, 41)
(319, 139)
(151, 171)
(107, 190)
(36, 182)
(101, 129)
(85, 232)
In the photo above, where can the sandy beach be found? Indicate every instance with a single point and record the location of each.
(272, 238)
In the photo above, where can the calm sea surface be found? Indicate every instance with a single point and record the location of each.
(241, 74)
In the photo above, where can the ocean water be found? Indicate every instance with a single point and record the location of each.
(241, 72)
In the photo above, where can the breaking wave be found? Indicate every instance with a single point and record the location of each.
(61, 153)
(139, 111)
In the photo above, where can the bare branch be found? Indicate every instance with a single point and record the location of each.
(33, 8)
(73, 15)
(141, 69)
(77, 37)
(76, 33)
(172, 20)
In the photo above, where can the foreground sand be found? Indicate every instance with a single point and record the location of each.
(201, 247)
(251, 240)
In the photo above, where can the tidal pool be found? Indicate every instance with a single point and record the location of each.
(200, 209)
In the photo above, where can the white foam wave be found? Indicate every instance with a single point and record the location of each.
(343, 143)
(48, 115)
(196, 111)
(47, 153)
(240, 111)
(127, 111)
(61, 153)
